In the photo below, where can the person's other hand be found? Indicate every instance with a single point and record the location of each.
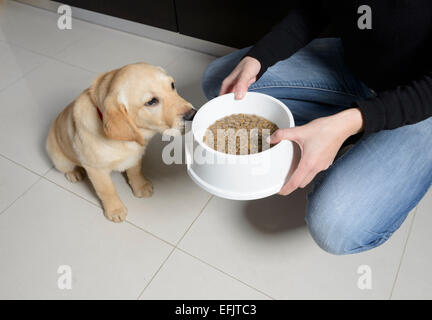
(239, 80)
(319, 142)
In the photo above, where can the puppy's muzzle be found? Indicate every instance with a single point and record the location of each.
(188, 116)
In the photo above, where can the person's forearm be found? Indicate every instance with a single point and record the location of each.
(403, 105)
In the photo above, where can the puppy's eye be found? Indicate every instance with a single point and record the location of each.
(172, 85)
(152, 102)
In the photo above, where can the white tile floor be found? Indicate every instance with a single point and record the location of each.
(182, 242)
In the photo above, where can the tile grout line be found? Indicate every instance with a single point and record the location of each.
(403, 253)
(225, 273)
(21, 195)
(23, 166)
(196, 218)
(43, 12)
(232, 277)
(51, 57)
(100, 207)
(202, 261)
(57, 59)
(75, 194)
(157, 237)
(175, 247)
(174, 60)
(23, 75)
(48, 58)
(156, 273)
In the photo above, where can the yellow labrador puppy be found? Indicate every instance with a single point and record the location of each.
(108, 127)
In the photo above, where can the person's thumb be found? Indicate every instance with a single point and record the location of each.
(282, 134)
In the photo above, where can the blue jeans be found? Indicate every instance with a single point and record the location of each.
(366, 194)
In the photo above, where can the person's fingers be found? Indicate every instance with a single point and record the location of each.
(283, 134)
(296, 179)
(251, 80)
(240, 91)
(229, 81)
(241, 86)
(308, 179)
(226, 85)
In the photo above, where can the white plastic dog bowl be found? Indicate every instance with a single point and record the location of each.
(239, 177)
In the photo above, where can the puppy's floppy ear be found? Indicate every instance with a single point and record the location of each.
(117, 124)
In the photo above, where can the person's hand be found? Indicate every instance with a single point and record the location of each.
(239, 80)
(319, 142)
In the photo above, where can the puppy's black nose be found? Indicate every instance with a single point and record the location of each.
(188, 116)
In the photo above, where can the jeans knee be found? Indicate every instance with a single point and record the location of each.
(211, 80)
(338, 231)
(325, 240)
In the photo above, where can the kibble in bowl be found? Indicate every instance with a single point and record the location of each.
(240, 134)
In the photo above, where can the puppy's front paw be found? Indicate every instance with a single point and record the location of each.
(143, 189)
(116, 214)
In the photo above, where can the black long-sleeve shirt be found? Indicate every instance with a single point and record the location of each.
(394, 57)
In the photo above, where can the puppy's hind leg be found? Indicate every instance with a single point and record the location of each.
(75, 175)
(72, 172)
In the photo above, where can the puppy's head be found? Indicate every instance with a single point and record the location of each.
(139, 96)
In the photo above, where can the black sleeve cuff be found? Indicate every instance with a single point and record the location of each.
(373, 113)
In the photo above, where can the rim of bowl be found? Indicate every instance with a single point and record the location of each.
(237, 156)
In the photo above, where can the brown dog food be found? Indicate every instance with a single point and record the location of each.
(240, 134)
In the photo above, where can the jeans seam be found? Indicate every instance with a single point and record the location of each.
(301, 87)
